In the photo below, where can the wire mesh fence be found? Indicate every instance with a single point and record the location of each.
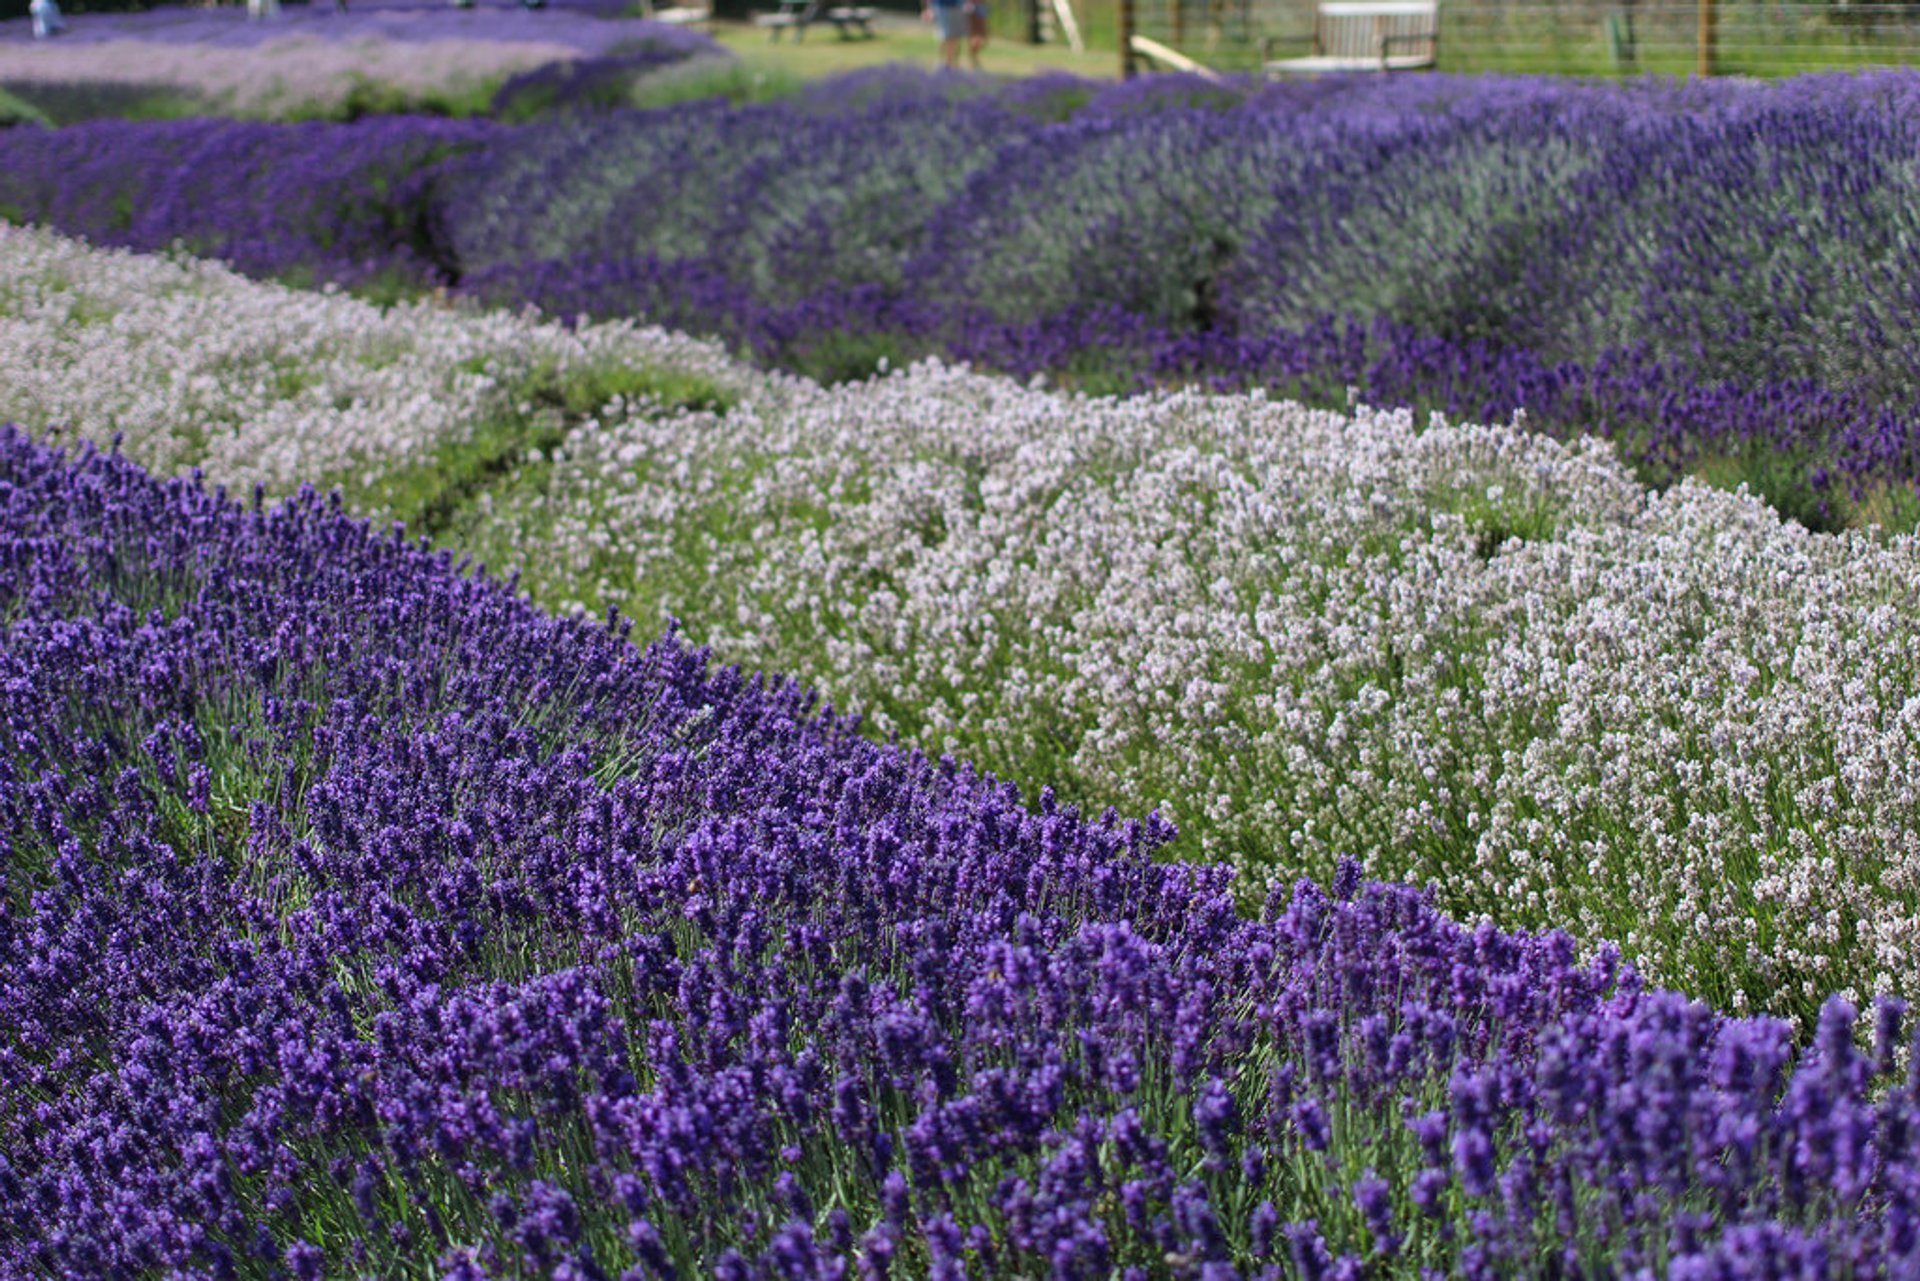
(1579, 37)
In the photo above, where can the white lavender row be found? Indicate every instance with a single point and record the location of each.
(258, 384)
(1467, 654)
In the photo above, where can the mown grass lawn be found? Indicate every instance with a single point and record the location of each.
(899, 38)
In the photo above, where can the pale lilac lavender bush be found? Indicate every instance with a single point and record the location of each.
(359, 919)
(312, 59)
(193, 366)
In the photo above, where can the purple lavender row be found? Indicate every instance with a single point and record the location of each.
(357, 919)
(600, 83)
(1660, 414)
(322, 203)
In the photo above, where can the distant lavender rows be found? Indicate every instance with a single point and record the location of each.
(314, 60)
(1695, 272)
(585, 25)
(358, 919)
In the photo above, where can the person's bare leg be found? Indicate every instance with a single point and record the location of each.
(974, 45)
(950, 54)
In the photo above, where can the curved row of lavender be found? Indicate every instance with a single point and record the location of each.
(347, 205)
(359, 919)
(1712, 276)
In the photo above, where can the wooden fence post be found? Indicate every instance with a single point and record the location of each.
(1126, 39)
(1706, 37)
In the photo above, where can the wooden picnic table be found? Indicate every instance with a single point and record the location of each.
(797, 15)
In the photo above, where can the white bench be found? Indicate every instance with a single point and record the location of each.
(1364, 35)
(685, 15)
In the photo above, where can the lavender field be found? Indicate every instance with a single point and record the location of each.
(1296, 635)
(362, 918)
(996, 680)
(1718, 278)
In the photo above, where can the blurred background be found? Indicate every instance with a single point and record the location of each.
(1575, 37)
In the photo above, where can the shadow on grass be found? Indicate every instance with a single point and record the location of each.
(70, 102)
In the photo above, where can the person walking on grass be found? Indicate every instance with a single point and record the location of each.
(46, 19)
(951, 18)
(976, 30)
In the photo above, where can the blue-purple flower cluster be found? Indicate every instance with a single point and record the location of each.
(358, 919)
(316, 202)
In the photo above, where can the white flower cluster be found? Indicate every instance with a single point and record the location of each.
(1470, 655)
(255, 383)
